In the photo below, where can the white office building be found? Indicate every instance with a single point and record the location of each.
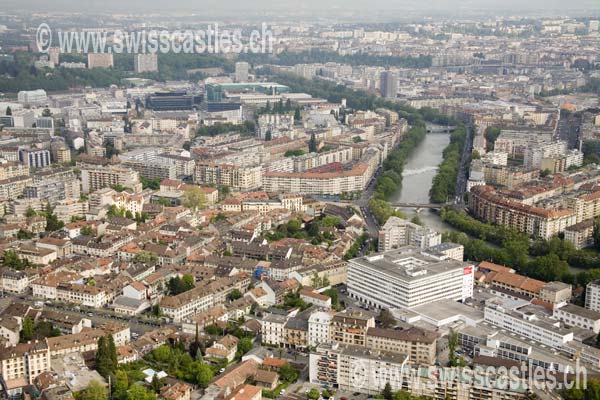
(528, 325)
(32, 96)
(408, 277)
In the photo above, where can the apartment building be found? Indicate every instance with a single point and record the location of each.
(319, 328)
(100, 60)
(408, 277)
(355, 368)
(418, 344)
(86, 295)
(14, 281)
(272, 329)
(202, 297)
(350, 327)
(238, 178)
(145, 63)
(592, 296)
(398, 232)
(98, 177)
(324, 183)
(25, 361)
(488, 205)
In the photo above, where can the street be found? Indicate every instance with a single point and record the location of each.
(97, 316)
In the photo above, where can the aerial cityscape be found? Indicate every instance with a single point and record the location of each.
(299, 200)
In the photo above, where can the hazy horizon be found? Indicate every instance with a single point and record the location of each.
(364, 9)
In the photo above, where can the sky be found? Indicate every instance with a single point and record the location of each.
(239, 9)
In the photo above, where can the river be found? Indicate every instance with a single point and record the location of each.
(419, 171)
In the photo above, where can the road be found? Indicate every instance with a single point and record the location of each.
(98, 317)
(363, 205)
(461, 177)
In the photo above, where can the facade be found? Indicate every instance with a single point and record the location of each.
(418, 344)
(202, 297)
(272, 329)
(94, 178)
(488, 205)
(145, 63)
(573, 315)
(397, 232)
(581, 234)
(14, 281)
(592, 296)
(359, 369)
(319, 328)
(350, 327)
(25, 361)
(237, 178)
(546, 333)
(32, 96)
(35, 158)
(408, 277)
(388, 84)
(100, 60)
(327, 183)
(241, 71)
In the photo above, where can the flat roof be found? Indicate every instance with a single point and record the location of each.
(408, 263)
(443, 309)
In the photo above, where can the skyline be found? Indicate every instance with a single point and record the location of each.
(377, 10)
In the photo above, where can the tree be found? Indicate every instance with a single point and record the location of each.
(8, 111)
(177, 285)
(597, 233)
(545, 172)
(111, 349)
(194, 198)
(204, 375)
(297, 115)
(12, 260)
(86, 230)
(313, 394)
(244, 346)
(52, 221)
(312, 144)
(416, 220)
(293, 226)
(121, 385)
(106, 356)
(387, 392)
(145, 257)
(138, 392)
(288, 374)
(94, 391)
(156, 311)
(234, 295)
(30, 212)
(188, 281)
(386, 318)
(156, 384)
(27, 329)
